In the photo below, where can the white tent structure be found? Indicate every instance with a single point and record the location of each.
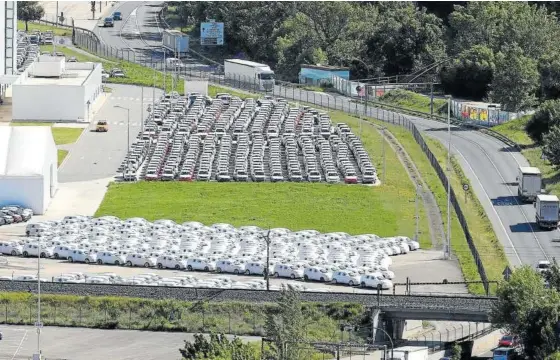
(28, 167)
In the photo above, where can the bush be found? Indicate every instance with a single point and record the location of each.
(547, 115)
(551, 148)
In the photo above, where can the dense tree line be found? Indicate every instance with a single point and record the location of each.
(506, 52)
(529, 306)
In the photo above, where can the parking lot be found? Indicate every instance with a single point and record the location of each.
(20, 342)
(229, 139)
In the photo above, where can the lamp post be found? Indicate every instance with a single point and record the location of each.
(387, 334)
(383, 152)
(447, 249)
(38, 324)
(267, 273)
(127, 135)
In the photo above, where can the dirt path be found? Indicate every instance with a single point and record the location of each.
(435, 221)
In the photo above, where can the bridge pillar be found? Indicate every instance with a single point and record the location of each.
(466, 349)
(375, 313)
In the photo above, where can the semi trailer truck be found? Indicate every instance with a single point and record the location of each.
(251, 74)
(547, 211)
(529, 183)
(175, 41)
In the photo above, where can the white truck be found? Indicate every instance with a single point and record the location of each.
(174, 64)
(175, 41)
(409, 353)
(252, 74)
(547, 208)
(529, 183)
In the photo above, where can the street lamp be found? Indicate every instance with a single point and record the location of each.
(447, 250)
(127, 136)
(267, 271)
(38, 324)
(373, 328)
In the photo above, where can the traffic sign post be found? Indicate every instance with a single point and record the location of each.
(465, 189)
(507, 273)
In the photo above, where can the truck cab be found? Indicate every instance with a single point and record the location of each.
(547, 211)
(529, 183)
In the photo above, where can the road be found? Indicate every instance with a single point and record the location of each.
(20, 342)
(491, 168)
(98, 155)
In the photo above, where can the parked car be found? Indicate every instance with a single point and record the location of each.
(117, 73)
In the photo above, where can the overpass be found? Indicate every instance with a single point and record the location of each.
(398, 307)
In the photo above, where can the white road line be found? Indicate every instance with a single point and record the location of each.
(20, 345)
(491, 205)
(511, 194)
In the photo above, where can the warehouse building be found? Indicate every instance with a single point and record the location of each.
(28, 167)
(318, 74)
(58, 90)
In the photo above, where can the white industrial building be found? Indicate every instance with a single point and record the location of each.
(28, 167)
(57, 90)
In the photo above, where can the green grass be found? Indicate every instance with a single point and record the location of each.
(61, 155)
(59, 31)
(61, 135)
(411, 100)
(515, 130)
(169, 315)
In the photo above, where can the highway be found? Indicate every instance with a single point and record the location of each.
(489, 165)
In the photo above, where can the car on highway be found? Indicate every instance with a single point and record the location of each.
(102, 126)
(117, 15)
(508, 341)
(543, 266)
(108, 22)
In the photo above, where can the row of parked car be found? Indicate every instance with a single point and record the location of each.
(226, 138)
(13, 214)
(221, 248)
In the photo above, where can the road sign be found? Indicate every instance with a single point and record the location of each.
(212, 33)
(507, 273)
(38, 324)
(466, 187)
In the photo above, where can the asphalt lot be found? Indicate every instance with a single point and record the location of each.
(98, 155)
(20, 342)
(419, 266)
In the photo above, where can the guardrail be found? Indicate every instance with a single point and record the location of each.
(395, 116)
(454, 304)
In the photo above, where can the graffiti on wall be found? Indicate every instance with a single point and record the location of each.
(490, 116)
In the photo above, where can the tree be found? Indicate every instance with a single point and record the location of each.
(470, 74)
(29, 11)
(551, 148)
(218, 347)
(285, 325)
(546, 116)
(526, 308)
(515, 79)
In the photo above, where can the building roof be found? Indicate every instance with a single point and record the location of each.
(72, 77)
(24, 150)
(325, 67)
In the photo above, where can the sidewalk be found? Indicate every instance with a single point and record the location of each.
(80, 11)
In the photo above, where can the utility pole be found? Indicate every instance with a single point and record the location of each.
(164, 72)
(38, 325)
(432, 98)
(383, 153)
(448, 245)
(416, 201)
(267, 273)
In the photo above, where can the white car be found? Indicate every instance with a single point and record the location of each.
(346, 277)
(171, 262)
(83, 256)
(376, 281)
(231, 266)
(11, 248)
(141, 259)
(32, 249)
(62, 251)
(255, 268)
(288, 271)
(543, 266)
(317, 274)
(201, 264)
(111, 258)
(68, 279)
